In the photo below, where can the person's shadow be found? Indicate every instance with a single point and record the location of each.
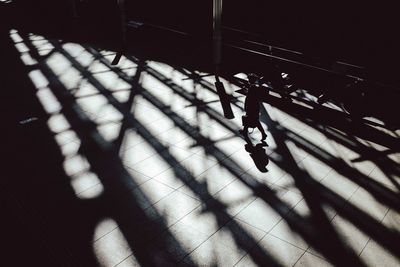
(258, 154)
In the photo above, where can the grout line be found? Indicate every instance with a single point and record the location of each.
(294, 264)
(185, 256)
(287, 242)
(91, 187)
(104, 235)
(366, 244)
(132, 254)
(94, 241)
(256, 244)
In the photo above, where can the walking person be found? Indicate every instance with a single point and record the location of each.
(252, 108)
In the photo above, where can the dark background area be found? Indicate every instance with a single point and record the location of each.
(356, 32)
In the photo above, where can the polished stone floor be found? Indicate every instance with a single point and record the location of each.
(174, 183)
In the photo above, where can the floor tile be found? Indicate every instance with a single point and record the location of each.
(238, 235)
(313, 135)
(259, 214)
(175, 206)
(92, 192)
(76, 164)
(138, 178)
(130, 139)
(151, 166)
(315, 168)
(246, 261)
(350, 234)
(158, 126)
(122, 96)
(273, 175)
(392, 219)
(289, 198)
(281, 251)
(66, 137)
(339, 184)
(287, 182)
(208, 183)
(150, 192)
(205, 220)
(214, 253)
(375, 255)
(174, 177)
(332, 149)
(129, 262)
(363, 200)
(241, 160)
(173, 136)
(188, 239)
(310, 260)
(183, 156)
(104, 227)
(390, 181)
(109, 113)
(83, 181)
(147, 116)
(196, 164)
(284, 232)
(112, 248)
(92, 104)
(110, 131)
(303, 209)
(293, 124)
(190, 144)
(58, 123)
(70, 149)
(235, 197)
(137, 153)
(111, 81)
(229, 144)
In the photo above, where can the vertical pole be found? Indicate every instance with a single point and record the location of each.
(122, 17)
(217, 59)
(217, 32)
(122, 13)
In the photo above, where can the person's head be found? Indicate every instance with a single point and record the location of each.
(252, 78)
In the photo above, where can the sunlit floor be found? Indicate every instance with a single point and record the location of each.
(157, 145)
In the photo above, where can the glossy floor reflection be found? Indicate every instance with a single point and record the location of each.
(178, 183)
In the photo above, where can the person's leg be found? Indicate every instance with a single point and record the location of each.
(245, 125)
(261, 129)
(245, 130)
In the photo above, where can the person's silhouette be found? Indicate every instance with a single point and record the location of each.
(252, 108)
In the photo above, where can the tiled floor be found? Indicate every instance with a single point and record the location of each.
(188, 169)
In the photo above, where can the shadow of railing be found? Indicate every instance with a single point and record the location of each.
(389, 238)
(383, 194)
(260, 190)
(108, 167)
(105, 162)
(379, 191)
(321, 194)
(314, 229)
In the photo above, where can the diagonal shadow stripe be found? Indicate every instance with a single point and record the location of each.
(386, 237)
(241, 236)
(260, 190)
(367, 218)
(113, 175)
